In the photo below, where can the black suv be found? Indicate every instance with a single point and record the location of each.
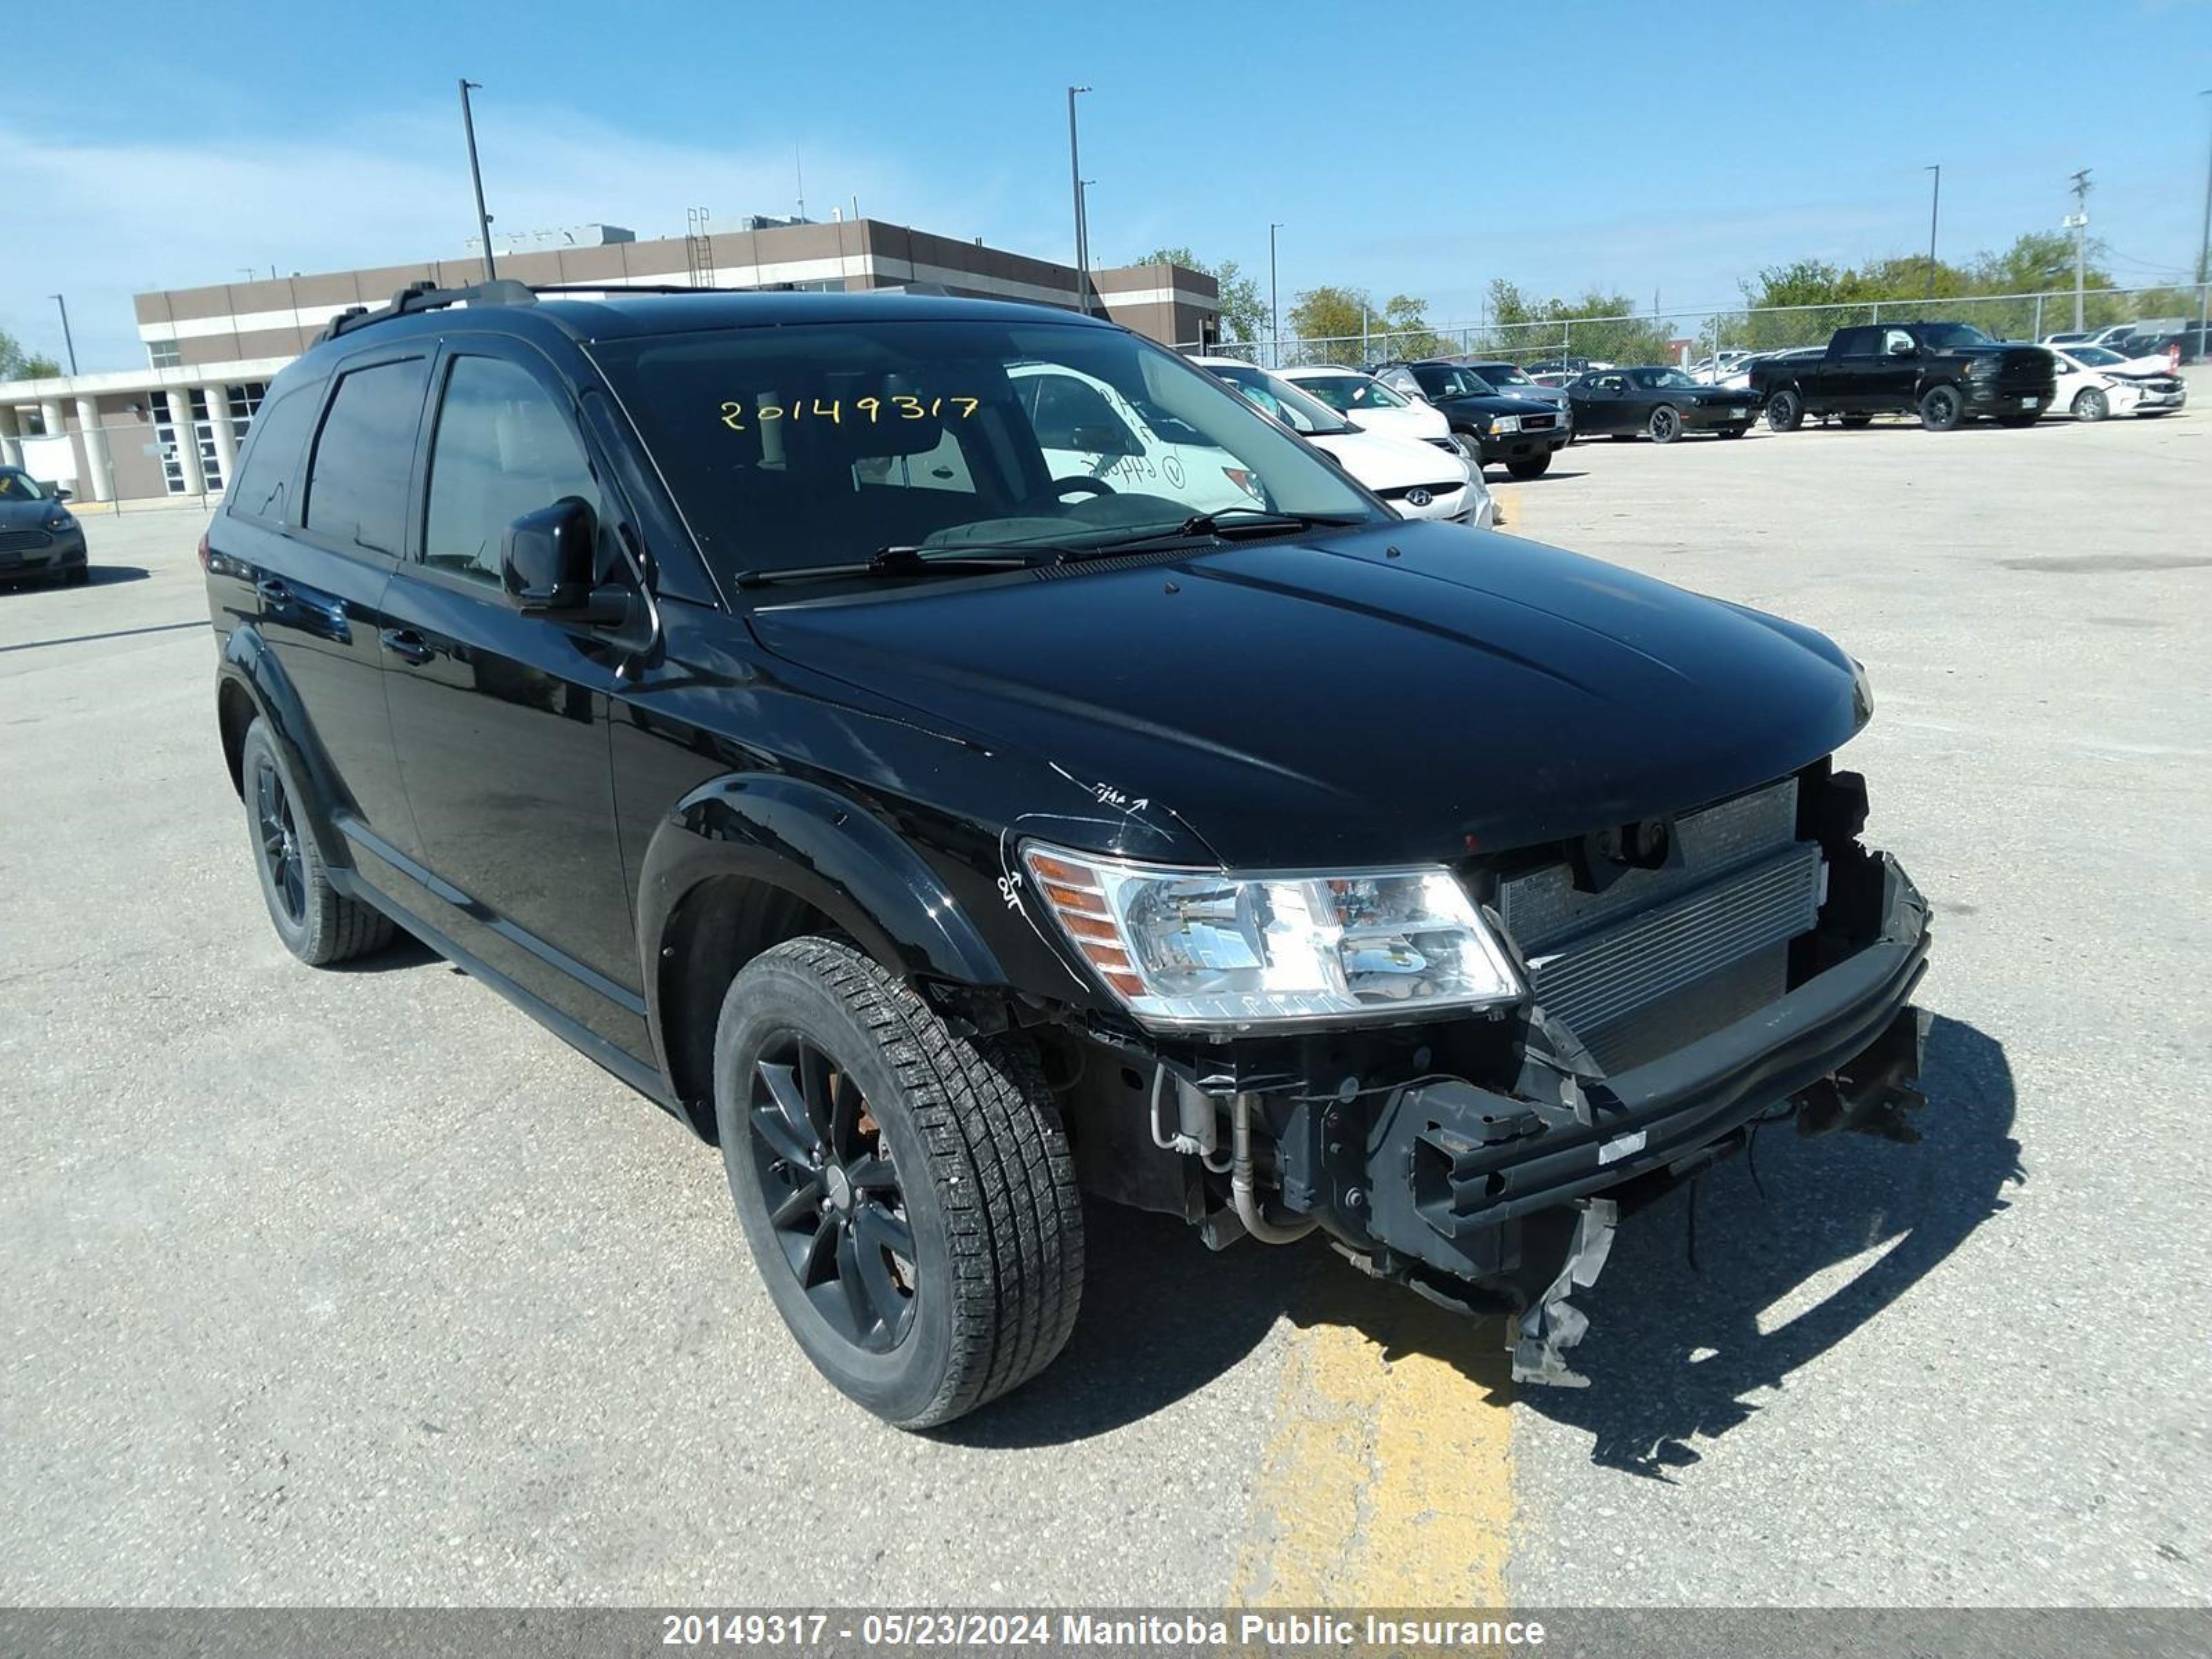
(740, 684)
(1520, 433)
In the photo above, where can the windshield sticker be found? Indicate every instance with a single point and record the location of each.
(898, 407)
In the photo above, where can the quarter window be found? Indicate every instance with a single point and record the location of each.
(265, 486)
(503, 448)
(357, 484)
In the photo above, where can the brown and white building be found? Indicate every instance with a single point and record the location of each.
(212, 351)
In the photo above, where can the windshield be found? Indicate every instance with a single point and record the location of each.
(1660, 378)
(2095, 356)
(1449, 381)
(17, 486)
(1942, 336)
(1349, 394)
(795, 446)
(1306, 415)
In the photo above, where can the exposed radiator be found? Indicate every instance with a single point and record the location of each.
(1664, 956)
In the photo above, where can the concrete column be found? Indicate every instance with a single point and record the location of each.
(188, 443)
(99, 480)
(50, 413)
(225, 440)
(11, 439)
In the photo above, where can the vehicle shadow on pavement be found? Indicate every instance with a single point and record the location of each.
(1163, 1317)
(1674, 1349)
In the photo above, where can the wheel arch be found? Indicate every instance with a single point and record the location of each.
(750, 860)
(250, 685)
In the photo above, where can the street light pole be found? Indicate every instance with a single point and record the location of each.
(2204, 257)
(69, 345)
(1934, 203)
(1082, 237)
(475, 176)
(2079, 219)
(1083, 215)
(1274, 299)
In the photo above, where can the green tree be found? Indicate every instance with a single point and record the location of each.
(1335, 324)
(16, 364)
(1604, 326)
(1243, 311)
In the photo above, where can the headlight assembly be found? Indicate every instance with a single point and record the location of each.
(1501, 424)
(1214, 949)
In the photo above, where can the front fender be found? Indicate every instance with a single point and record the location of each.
(249, 665)
(822, 847)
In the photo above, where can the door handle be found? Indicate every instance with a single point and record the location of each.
(407, 644)
(273, 591)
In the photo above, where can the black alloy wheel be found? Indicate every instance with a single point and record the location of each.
(832, 1193)
(1785, 411)
(907, 1190)
(283, 863)
(1941, 408)
(1665, 425)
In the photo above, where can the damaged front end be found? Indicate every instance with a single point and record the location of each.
(1689, 980)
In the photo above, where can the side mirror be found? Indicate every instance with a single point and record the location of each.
(1900, 348)
(549, 565)
(61, 495)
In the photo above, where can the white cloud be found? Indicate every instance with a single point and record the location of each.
(120, 218)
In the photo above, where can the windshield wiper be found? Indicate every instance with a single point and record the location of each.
(901, 561)
(1221, 526)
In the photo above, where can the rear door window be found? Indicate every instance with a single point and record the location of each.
(268, 485)
(357, 482)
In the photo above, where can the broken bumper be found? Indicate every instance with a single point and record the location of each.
(1502, 1190)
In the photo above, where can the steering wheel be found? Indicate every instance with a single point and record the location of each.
(1059, 487)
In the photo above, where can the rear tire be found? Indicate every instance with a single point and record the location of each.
(907, 1191)
(1785, 411)
(1530, 466)
(318, 924)
(1942, 409)
(1665, 424)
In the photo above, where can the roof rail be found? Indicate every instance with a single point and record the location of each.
(423, 294)
(426, 295)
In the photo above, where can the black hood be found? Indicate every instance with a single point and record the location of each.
(1500, 405)
(16, 514)
(1409, 692)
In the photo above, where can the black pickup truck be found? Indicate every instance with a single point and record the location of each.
(1945, 372)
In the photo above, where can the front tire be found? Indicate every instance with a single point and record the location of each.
(1785, 411)
(906, 1192)
(318, 924)
(1942, 409)
(1665, 424)
(1529, 466)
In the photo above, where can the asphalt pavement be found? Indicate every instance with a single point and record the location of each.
(357, 1287)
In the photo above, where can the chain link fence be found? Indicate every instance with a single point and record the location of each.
(1669, 338)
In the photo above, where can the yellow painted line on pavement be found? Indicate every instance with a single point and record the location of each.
(1388, 1479)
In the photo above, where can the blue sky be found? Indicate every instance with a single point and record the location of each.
(1421, 148)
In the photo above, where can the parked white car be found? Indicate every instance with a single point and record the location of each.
(1373, 407)
(1416, 480)
(2094, 382)
(1090, 430)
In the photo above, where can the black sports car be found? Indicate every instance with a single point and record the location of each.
(1660, 403)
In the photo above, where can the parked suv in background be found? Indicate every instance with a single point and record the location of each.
(732, 682)
(1519, 432)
